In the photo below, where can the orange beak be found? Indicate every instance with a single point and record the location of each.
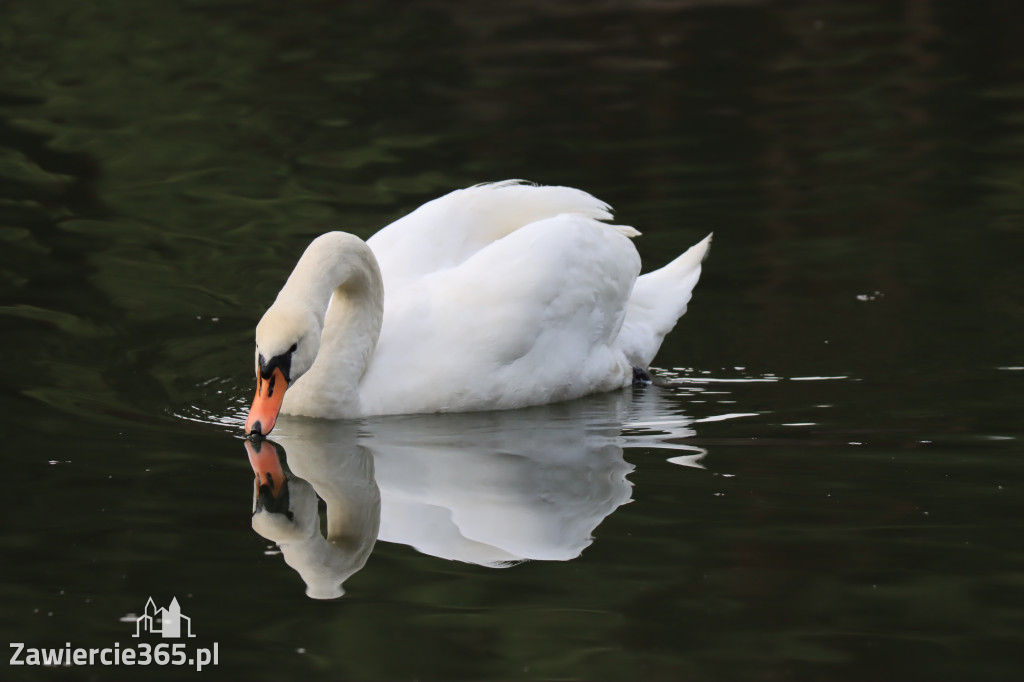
(267, 403)
(267, 466)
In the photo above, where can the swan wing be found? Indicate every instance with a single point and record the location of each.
(447, 231)
(530, 318)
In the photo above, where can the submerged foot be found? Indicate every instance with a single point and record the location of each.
(641, 377)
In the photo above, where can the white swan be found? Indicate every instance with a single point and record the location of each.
(493, 297)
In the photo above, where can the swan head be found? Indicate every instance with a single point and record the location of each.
(287, 342)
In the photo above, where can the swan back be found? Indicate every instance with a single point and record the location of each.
(445, 232)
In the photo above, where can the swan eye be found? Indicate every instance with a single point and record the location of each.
(265, 368)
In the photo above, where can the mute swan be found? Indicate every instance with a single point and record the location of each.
(496, 296)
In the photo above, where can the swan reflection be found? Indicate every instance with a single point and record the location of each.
(493, 488)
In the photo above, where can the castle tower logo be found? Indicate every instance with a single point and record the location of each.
(168, 622)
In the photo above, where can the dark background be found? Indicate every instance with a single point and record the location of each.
(162, 165)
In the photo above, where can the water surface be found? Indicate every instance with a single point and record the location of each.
(826, 483)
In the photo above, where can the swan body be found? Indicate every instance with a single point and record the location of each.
(493, 297)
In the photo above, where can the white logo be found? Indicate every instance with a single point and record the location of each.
(167, 622)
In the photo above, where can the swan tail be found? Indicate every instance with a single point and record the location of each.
(658, 300)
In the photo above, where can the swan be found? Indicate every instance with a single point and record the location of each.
(497, 296)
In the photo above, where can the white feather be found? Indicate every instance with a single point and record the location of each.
(496, 296)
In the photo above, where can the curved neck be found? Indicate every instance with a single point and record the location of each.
(338, 280)
(326, 563)
(343, 475)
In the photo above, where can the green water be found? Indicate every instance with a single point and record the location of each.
(827, 484)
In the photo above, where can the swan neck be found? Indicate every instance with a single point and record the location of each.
(347, 485)
(339, 281)
(334, 263)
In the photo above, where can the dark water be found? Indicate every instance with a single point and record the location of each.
(828, 486)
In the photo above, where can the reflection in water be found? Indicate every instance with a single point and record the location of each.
(493, 488)
(285, 510)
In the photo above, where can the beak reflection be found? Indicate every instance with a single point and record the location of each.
(271, 483)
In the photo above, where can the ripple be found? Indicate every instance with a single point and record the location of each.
(229, 418)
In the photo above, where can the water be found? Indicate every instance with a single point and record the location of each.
(826, 484)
